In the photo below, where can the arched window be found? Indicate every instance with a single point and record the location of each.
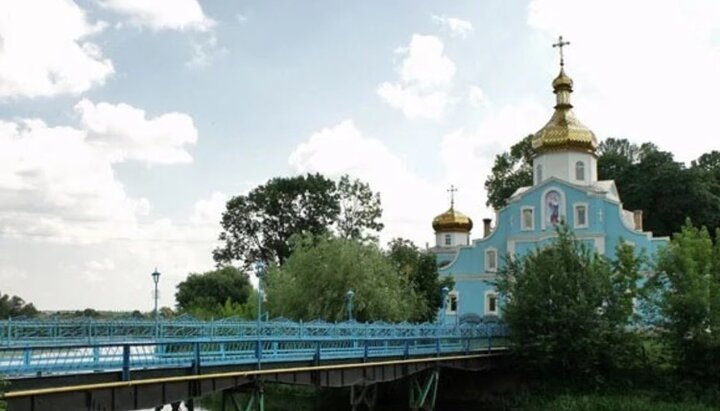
(580, 171)
(448, 239)
(538, 174)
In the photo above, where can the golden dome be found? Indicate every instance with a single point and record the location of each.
(564, 131)
(452, 220)
(562, 80)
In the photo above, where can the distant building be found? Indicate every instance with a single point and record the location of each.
(565, 188)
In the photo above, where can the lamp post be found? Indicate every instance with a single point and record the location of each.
(156, 279)
(348, 298)
(444, 292)
(260, 273)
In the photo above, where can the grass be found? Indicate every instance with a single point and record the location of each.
(610, 402)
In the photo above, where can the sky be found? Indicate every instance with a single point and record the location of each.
(125, 125)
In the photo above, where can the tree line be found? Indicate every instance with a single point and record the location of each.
(318, 239)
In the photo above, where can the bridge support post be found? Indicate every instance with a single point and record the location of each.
(422, 398)
(363, 396)
(255, 401)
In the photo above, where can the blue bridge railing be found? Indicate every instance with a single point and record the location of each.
(15, 332)
(56, 347)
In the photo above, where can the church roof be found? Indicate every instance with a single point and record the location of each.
(452, 220)
(606, 188)
(564, 131)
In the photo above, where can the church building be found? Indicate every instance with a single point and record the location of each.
(565, 188)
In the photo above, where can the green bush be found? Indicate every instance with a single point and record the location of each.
(569, 309)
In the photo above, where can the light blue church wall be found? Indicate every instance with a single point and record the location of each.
(606, 225)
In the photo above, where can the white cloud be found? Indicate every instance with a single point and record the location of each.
(468, 155)
(61, 199)
(426, 76)
(455, 26)
(656, 84)
(181, 15)
(209, 211)
(124, 133)
(409, 202)
(45, 52)
(205, 51)
(477, 97)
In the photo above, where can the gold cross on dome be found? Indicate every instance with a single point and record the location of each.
(560, 44)
(452, 190)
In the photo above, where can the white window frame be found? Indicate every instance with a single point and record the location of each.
(575, 215)
(522, 218)
(488, 294)
(578, 164)
(447, 240)
(456, 295)
(487, 260)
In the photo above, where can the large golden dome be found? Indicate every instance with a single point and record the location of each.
(564, 131)
(452, 220)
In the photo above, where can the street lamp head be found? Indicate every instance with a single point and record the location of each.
(155, 276)
(350, 294)
(260, 269)
(445, 291)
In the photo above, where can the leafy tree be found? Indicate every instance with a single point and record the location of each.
(688, 281)
(313, 282)
(210, 290)
(420, 271)
(166, 312)
(568, 308)
(511, 171)
(13, 306)
(360, 209)
(258, 226)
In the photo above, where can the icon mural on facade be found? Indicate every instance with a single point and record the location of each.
(552, 204)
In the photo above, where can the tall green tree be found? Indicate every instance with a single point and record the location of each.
(568, 308)
(313, 282)
(688, 283)
(360, 210)
(258, 226)
(13, 306)
(511, 170)
(210, 291)
(420, 271)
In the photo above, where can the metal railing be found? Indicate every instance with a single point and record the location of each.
(87, 330)
(76, 347)
(127, 357)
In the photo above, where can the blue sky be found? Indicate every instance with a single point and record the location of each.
(126, 124)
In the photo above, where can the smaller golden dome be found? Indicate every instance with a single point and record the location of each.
(452, 220)
(562, 81)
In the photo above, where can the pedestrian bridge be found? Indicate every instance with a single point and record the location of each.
(129, 364)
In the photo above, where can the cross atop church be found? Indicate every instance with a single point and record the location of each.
(452, 190)
(560, 44)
